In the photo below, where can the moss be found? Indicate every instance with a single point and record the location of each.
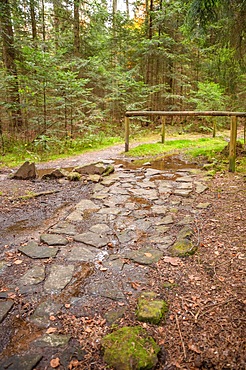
(183, 248)
(130, 348)
(150, 309)
(74, 176)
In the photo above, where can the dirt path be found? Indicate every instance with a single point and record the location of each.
(73, 264)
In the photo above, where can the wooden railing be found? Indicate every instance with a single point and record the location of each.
(163, 114)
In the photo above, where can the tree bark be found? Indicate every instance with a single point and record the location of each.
(9, 57)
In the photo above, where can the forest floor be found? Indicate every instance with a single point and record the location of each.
(205, 325)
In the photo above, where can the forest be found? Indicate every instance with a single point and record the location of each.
(70, 69)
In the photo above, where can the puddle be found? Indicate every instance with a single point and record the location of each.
(168, 162)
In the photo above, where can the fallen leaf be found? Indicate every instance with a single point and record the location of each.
(174, 261)
(18, 262)
(103, 269)
(55, 362)
(147, 254)
(73, 364)
(51, 330)
(67, 305)
(52, 318)
(193, 348)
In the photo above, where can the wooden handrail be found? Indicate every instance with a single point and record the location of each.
(184, 113)
(233, 135)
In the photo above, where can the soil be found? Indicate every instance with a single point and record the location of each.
(205, 324)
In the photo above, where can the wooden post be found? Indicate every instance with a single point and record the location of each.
(233, 143)
(163, 129)
(214, 127)
(127, 131)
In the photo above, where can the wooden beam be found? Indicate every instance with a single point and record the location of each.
(127, 134)
(233, 144)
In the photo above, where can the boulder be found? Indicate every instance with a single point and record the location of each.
(150, 309)
(26, 172)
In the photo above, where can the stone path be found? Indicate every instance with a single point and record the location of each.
(101, 252)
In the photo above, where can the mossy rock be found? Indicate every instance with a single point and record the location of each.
(74, 176)
(130, 348)
(151, 309)
(185, 233)
(183, 248)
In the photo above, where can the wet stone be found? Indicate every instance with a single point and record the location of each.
(58, 278)
(107, 289)
(91, 238)
(63, 227)
(41, 316)
(33, 250)
(25, 362)
(53, 239)
(83, 253)
(145, 256)
(33, 276)
(5, 307)
(52, 340)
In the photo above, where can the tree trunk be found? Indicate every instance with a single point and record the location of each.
(9, 62)
(33, 21)
(76, 42)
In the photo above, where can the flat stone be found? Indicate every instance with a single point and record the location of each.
(113, 263)
(91, 238)
(41, 316)
(184, 178)
(63, 227)
(25, 362)
(57, 173)
(58, 278)
(107, 289)
(83, 253)
(182, 192)
(159, 210)
(125, 236)
(100, 229)
(145, 193)
(33, 276)
(91, 169)
(94, 178)
(128, 346)
(3, 265)
(110, 210)
(203, 205)
(52, 340)
(145, 256)
(184, 185)
(86, 205)
(164, 243)
(110, 180)
(167, 220)
(152, 172)
(142, 225)
(5, 307)
(200, 188)
(186, 220)
(150, 309)
(162, 229)
(114, 315)
(75, 216)
(33, 250)
(99, 196)
(53, 239)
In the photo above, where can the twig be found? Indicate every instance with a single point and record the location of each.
(180, 334)
(211, 306)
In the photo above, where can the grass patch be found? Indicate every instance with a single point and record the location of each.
(193, 147)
